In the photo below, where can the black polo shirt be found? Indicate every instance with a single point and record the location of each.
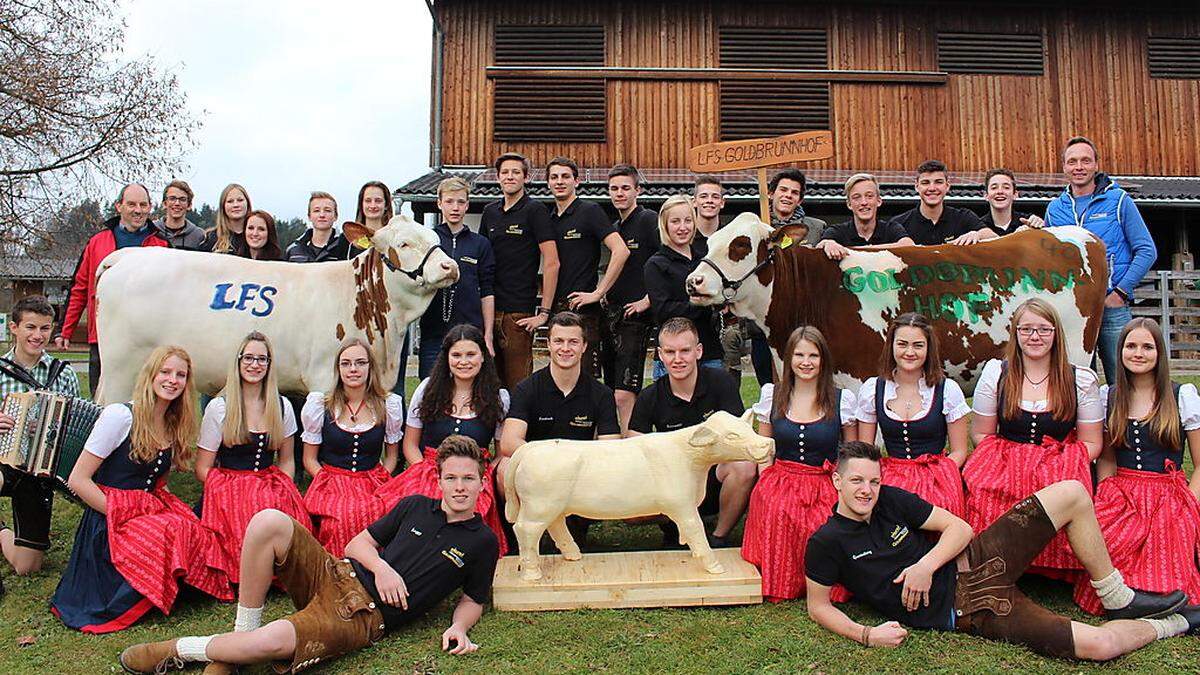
(579, 230)
(886, 232)
(304, 251)
(659, 409)
(640, 232)
(515, 235)
(589, 410)
(1012, 224)
(953, 224)
(866, 556)
(432, 556)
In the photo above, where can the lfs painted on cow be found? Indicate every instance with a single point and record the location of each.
(968, 292)
(262, 297)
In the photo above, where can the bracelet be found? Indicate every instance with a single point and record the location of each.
(543, 310)
(1121, 292)
(866, 636)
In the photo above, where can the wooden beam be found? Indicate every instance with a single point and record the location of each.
(717, 74)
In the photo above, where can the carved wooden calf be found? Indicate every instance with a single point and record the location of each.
(660, 473)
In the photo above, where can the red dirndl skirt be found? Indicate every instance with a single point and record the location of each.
(422, 479)
(934, 478)
(156, 541)
(342, 503)
(1001, 473)
(232, 497)
(789, 503)
(1151, 524)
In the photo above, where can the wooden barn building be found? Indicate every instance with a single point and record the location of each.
(974, 84)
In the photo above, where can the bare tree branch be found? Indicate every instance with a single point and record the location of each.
(74, 109)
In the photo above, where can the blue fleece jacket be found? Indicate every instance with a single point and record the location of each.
(1110, 214)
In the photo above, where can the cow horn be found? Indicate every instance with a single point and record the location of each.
(748, 416)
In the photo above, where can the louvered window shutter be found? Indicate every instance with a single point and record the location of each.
(754, 108)
(571, 110)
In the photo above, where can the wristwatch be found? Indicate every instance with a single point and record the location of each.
(1121, 292)
(543, 310)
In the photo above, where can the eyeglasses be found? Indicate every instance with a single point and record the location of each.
(251, 359)
(177, 200)
(358, 363)
(1028, 331)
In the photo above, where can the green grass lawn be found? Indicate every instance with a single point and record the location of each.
(763, 638)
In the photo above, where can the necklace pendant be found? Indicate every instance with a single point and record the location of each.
(353, 418)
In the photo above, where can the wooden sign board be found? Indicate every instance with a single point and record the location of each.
(753, 153)
(759, 153)
(627, 579)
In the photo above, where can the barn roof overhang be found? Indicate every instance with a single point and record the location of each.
(824, 186)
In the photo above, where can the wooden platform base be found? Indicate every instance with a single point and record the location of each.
(627, 579)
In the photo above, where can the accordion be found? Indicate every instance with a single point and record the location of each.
(48, 435)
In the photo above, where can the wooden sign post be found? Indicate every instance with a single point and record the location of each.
(759, 153)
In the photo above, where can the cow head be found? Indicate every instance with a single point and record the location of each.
(409, 250)
(726, 438)
(735, 271)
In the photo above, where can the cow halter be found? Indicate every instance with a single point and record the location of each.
(416, 271)
(729, 288)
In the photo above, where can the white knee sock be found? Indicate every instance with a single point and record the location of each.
(192, 648)
(248, 619)
(1168, 626)
(1113, 592)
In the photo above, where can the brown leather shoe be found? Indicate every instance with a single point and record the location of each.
(217, 668)
(151, 658)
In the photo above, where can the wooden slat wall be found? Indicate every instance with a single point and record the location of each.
(1096, 82)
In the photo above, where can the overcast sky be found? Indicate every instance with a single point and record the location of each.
(296, 95)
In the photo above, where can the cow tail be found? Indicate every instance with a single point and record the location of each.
(512, 502)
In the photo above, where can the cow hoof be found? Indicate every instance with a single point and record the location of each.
(572, 554)
(715, 567)
(528, 574)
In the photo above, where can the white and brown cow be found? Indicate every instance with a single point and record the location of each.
(207, 303)
(968, 292)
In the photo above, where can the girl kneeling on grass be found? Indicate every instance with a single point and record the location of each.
(1147, 510)
(462, 396)
(1037, 422)
(807, 416)
(136, 541)
(246, 460)
(919, 411)
(344, 433)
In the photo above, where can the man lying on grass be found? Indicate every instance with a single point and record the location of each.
(398, 568)
(871, 544)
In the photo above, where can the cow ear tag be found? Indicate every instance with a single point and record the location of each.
(785, 242)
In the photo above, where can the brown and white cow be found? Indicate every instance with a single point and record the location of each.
(207, 303)
(968, 292)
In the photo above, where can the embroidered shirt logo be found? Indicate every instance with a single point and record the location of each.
(572, 234)
(581, 421)
(454, 555)
(863, 554)
(415, 531)
(899, 534)
(515, 229)
(468, 259)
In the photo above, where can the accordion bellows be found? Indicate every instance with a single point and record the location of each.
(48, 435)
